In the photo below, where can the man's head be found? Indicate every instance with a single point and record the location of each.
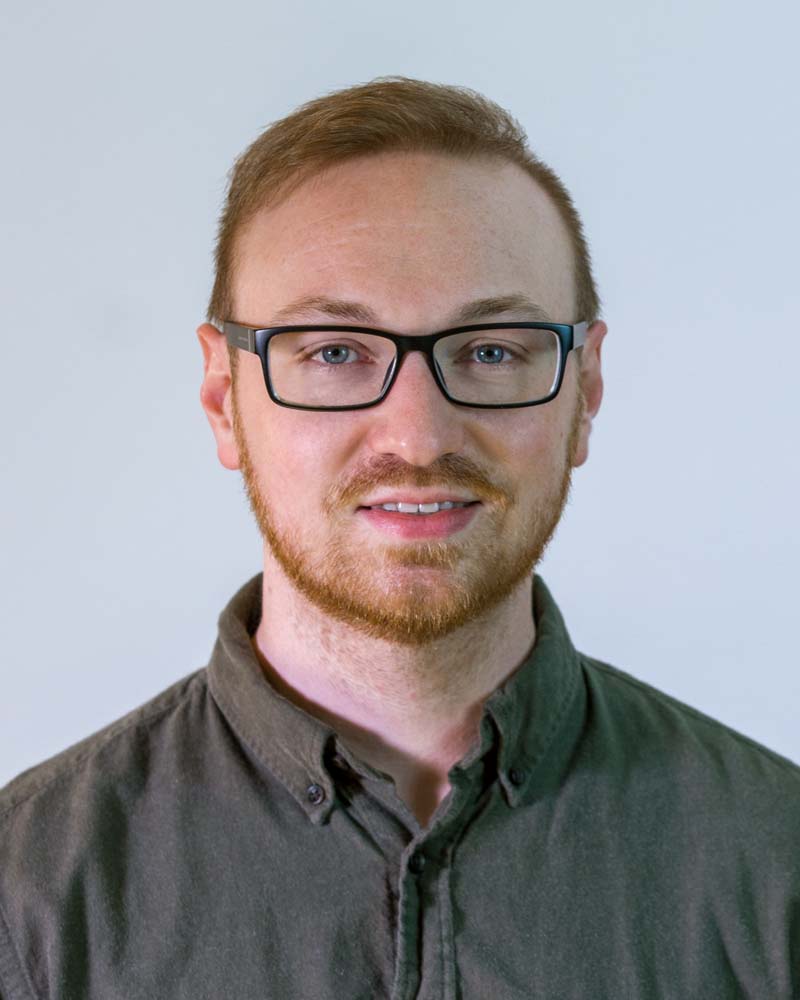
(411, 199)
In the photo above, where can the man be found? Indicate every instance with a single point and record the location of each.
(397, 777)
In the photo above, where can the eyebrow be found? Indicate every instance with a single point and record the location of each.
(357, 312)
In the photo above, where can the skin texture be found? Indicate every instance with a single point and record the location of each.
(397, 643)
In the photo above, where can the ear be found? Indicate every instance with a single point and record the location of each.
(591, 380)
(216, 393)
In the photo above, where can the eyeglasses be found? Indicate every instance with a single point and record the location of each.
(492, 366)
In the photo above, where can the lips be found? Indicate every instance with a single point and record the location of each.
(377, 506)
(410, 526)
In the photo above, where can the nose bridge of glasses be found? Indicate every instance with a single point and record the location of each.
(405, 346)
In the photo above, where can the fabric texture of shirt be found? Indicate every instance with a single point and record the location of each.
(601, 840)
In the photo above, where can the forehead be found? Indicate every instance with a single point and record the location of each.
(411, 232)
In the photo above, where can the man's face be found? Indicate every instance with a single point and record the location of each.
(413, 237)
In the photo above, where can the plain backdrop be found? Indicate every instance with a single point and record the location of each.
(675, 128)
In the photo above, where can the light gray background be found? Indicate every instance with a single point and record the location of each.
(674, 125)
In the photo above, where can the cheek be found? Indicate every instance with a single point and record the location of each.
(544, 449)
(295, 454)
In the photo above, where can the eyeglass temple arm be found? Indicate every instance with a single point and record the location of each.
(240, 336)
(579, 334)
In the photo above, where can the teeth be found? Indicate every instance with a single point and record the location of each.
(421, 508)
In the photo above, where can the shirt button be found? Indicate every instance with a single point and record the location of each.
(516, 776)
(417, 863)
(316, 794)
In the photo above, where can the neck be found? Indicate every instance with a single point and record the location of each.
(410, 712)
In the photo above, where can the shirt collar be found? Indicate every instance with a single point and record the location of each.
(538, 711)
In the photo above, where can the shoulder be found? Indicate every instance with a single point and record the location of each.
(68, 824)
(643, 707)
(684, 756)
(114, 756)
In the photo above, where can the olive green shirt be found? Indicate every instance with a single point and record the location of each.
(601, 841)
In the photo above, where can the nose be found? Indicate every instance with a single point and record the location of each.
(416, 420)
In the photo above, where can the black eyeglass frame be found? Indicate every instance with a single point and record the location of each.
(256, 340)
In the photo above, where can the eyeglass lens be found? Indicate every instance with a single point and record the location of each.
(346, 368)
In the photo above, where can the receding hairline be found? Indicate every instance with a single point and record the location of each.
(361, 313)
(316, 172)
